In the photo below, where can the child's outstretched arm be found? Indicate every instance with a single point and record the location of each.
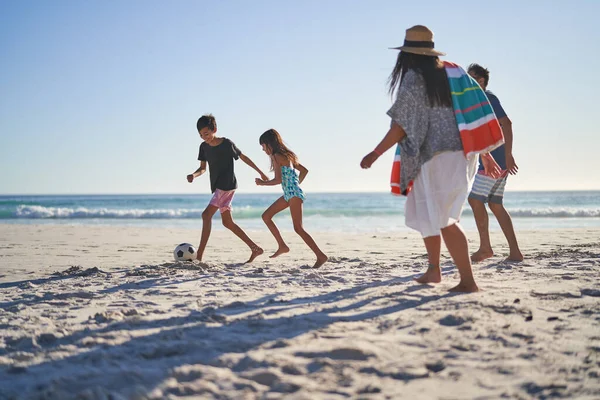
(394, 136)
(254, 167)
(198, 172)
(274, 181)
(303, 172)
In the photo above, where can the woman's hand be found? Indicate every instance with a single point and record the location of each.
(368, 160)
(490, 166)
(259, 182)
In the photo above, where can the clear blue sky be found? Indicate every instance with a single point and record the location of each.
(103, 96)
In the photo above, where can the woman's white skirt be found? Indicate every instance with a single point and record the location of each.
(439, 192)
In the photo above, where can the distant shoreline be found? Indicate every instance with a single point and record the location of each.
(258, 193)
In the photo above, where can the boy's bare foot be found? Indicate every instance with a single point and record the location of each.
(465, 288)
(281, 250)
(256, 251)
(481, 255)
(199, 258)
(320, 261)
(515, 256)
(432, 275)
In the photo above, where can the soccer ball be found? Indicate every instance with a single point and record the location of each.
(184, 252)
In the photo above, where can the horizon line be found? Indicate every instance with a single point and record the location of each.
(266, 192)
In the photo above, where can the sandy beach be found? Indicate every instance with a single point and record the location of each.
(99, 312)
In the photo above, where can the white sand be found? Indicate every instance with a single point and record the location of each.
(141, 327)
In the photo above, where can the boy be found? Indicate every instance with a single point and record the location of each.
(489, 190)
(219, 153)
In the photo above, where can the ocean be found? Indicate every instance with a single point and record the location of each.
(329, 212)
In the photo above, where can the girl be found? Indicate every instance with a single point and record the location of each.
(284, 162)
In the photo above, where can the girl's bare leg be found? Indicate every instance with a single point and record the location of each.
(296, 211)
(433, 244)
(457, 245)
(279, 205)
(233, 227)
(207, 215)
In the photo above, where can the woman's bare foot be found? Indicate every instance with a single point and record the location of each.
(515, 256)
(432, 275)
(322, 259)
(281, 250)
(256, 251)
(482, 254)
(470, 287)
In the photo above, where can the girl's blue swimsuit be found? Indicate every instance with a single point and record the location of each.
(290, 184)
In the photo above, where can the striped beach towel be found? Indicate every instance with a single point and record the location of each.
(479, 129)
(395, 181)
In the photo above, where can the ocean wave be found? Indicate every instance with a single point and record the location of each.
(248, 212)
(555, 213)
(41, 212)
(241, 212)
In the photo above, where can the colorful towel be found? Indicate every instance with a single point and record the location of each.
(395, 181)
(479, 129)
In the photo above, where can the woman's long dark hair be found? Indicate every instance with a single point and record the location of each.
(432, 70)
(272, 138)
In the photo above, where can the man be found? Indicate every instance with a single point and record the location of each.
(489, 190)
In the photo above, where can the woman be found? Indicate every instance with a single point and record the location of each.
(435, 172)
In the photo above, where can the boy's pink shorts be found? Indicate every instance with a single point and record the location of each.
(222, 199)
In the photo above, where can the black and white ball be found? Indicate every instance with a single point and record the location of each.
(184, 252)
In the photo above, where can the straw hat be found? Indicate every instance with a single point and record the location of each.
(419, 40)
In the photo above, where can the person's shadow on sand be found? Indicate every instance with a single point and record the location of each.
(200, 337)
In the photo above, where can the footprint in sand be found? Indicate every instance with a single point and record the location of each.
(339, 354)
(555, 295)
(264, 377)
(405, 374)
(452, 320)
(590, 292)
(544, 390)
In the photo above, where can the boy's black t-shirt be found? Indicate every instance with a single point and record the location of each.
(220, 163)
